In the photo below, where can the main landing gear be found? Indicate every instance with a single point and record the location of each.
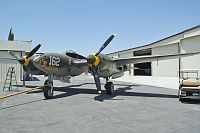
(109, 86)
(48, 90)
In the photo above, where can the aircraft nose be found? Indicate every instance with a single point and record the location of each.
(39, 61)
(36, 61)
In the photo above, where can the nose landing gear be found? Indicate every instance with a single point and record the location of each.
(48, 90)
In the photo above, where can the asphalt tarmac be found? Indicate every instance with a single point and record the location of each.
(76, 108)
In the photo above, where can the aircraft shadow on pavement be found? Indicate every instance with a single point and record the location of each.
(122, 91)
(74, 90)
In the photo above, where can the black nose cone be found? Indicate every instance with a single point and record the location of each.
(21, 60)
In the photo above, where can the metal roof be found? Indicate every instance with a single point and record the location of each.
(195, 27)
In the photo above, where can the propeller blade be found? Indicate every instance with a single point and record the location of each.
(25, 68)
(105, 44)
(13, 54)
(33, 51)
(8, 58)
(75, 55)
(96, 78)
(24, 76)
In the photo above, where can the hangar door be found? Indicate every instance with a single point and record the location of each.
(190, 45)
(144, 68)
(165, 68)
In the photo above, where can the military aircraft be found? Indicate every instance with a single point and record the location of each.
(63, 66)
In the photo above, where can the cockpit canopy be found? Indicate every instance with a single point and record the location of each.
(70, 51)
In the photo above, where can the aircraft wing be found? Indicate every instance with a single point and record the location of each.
(81, 64)
(150, 58)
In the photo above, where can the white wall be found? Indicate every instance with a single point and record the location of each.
(189, 41)
(6, 63)
(169, 67)
(15, 45)
(126, 55)
(191, 44)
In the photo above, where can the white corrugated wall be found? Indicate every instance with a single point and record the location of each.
(17, 46)
(168, 68)
(5, 64)
(191, 44)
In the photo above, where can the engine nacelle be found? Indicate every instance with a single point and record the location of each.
(117, 75)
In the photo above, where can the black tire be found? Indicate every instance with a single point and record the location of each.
(109, 88)
(179, 93)
(48, 90)
(180, 99)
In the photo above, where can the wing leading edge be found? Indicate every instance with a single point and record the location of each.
(142, 59)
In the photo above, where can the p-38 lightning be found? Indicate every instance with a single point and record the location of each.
(63, 66)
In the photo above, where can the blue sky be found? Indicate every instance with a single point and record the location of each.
(84, 25)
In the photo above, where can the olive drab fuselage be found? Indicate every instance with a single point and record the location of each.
(63, 65)
(57, 64)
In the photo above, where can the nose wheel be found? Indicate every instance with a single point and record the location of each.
(48, 90)
(109, 86)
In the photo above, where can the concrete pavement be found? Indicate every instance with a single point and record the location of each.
(76, 108)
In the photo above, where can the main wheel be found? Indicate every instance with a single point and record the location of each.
(48, 90)
(109, 88)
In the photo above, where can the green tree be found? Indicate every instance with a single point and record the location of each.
(11, 35)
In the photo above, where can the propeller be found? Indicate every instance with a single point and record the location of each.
(93, 61)
(33, 51)
(24, 60)
(105, 44)
(75, 55)
(96, 78)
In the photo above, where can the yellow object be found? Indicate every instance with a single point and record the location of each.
(17, 93)
(96, 63)
(26, 61)
(97, 60)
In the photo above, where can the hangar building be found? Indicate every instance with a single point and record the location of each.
(183, 42)
(18, 47)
